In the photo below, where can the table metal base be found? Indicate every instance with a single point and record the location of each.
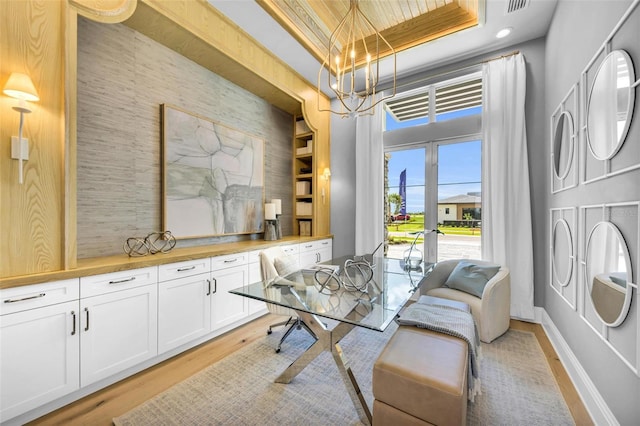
(328, 341)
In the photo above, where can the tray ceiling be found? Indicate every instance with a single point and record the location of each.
(403, 23)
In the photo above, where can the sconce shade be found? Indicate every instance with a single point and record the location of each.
(21, 87)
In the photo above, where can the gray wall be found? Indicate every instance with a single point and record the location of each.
(573, 38)
(123, 77)
(343, 184)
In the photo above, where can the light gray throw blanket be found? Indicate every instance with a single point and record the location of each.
(451, 321)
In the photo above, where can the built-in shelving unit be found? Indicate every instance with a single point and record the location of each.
(304, 172)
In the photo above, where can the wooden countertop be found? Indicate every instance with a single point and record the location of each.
(103, 265)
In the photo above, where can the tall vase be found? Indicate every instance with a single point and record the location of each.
(278, 227)
(270, 230)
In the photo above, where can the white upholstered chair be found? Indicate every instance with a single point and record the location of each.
(491, 311)
(274, 263)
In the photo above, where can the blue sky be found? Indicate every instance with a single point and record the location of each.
(458, 169)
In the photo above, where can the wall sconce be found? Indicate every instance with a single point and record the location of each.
(326, 174)
(21, 87)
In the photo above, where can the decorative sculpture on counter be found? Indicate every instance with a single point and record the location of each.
(155, 242)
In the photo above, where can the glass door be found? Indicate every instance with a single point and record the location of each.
(435, 186)
(405, 186)
(459, 200)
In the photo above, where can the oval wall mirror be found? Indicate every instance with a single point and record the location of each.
(608, 271)
(562, 253)
(610, 105)
(563, 145)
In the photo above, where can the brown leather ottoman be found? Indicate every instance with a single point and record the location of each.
(421, 378)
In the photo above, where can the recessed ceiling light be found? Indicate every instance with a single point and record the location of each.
(504, 32)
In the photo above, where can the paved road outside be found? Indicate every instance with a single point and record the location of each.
(449, 247)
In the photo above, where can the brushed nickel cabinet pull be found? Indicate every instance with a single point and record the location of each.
(126, 280)
(209, 290)
(87, 311)
(25, 298)
(188, 268)
(215, 285)
(73, 314)
(231, 261)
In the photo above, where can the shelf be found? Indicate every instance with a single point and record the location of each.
(305, 176)
(304, 197)
(305, 135)
(304, 156)
(304, 217)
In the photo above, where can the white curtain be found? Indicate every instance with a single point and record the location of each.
(369, 230)
(506, 217)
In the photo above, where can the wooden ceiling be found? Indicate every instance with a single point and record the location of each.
(403, 23)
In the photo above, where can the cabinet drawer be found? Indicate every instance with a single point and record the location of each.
(116, 281)
(291, 249)
(18, 299)
(183, 269)
(316, 245)
(222, 262)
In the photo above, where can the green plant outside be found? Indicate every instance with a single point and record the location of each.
(416, 223)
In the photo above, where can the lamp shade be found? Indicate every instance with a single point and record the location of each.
(270, 211)
(21, 87)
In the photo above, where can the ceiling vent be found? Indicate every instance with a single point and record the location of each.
(515, 5)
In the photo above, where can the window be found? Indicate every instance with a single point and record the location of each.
(453, 99)
(436, 169)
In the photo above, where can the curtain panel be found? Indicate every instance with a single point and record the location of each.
(369, 230)
(506, 217)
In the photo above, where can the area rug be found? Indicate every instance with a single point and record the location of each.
(517, 386)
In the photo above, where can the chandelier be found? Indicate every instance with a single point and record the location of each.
(352, 65)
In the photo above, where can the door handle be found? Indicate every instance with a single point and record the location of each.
(73, 331)
(86, 328)
(126, 280)
(215, 285)
(189, 268)
(209, 289)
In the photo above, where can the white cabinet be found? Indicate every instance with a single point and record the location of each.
(184, 308)
(118, 322)
(39, 345)
(315, 252)
(228, 272)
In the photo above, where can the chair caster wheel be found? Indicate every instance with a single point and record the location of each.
(269, 331)
(278, 350)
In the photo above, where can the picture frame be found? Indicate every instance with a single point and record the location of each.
(212, 177)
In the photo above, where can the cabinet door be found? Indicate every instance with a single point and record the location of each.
(228, 308)
(118, 331)
(39, 357)
(184, 310)
(325, 250)
(308, 258)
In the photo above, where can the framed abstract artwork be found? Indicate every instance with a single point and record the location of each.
(213, 177)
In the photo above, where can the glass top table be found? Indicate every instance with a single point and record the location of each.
(354, 292)
(374, 306)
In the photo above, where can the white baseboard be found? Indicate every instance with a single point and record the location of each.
(591, 398)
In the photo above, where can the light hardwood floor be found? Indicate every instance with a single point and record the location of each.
(99, 408)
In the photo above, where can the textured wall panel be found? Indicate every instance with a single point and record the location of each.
(123, 77)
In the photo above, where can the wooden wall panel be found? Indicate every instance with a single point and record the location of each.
(31, 215)
(123, 77)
